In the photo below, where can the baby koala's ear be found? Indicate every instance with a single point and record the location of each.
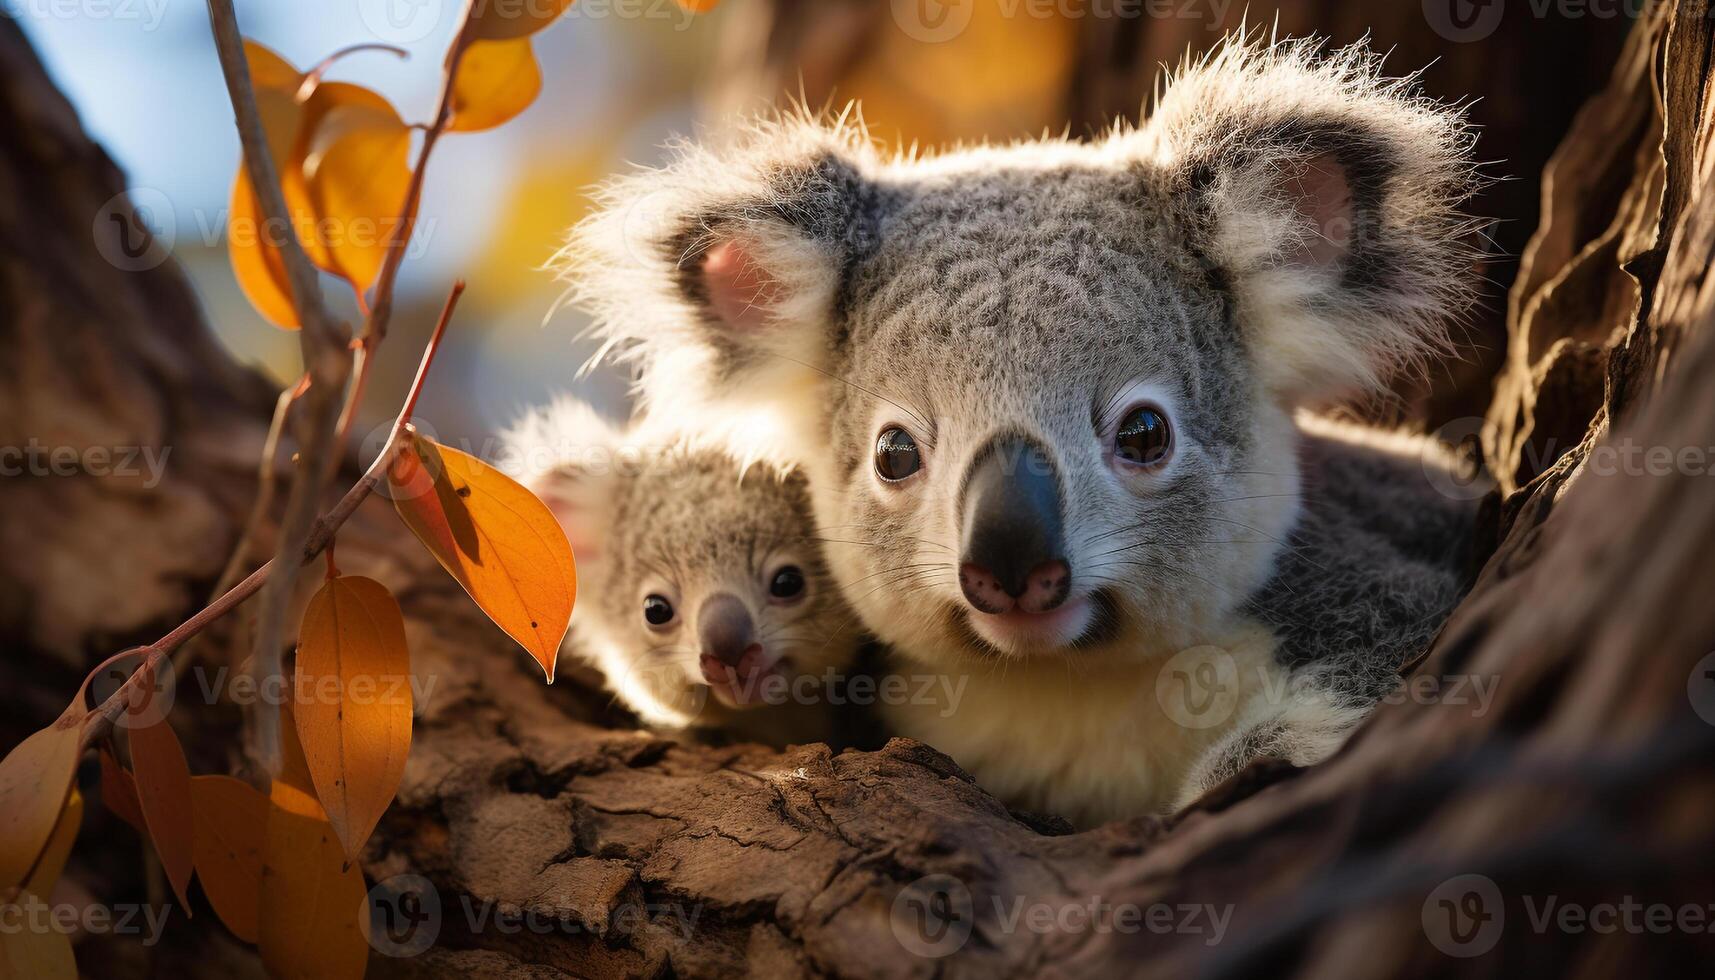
(1328, 198)
(721, 272)
(569, 456)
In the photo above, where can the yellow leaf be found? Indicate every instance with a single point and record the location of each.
(309, 921)
(231, 823)
(34, 780)
(268, 69)
(346, 180)
(496, 81)
(342, 156)
(499, 20)
(53, 860)
(119, 793)
(353, 706)
(256, 262)
(164, 790)
(36, 954)
(492, 535)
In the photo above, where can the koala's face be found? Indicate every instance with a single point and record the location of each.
(1044, 391)
(701, 589)
(1046, 426)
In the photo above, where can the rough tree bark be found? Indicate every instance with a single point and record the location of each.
(1586, 779)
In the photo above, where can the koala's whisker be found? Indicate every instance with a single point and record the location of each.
(1200, 542)
(1249, 527)
(1178, 568)
(907, 578)
(919, 419)
(904, 537)
(1260, 496)
(872, 544)
(925, 567)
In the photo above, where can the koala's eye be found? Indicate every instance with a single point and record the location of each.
(1144, 438)
(788, 583)
(896, 455)
(657, 611)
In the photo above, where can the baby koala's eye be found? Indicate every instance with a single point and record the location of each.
(1144, 438)
(657, 611)
(896, 455)
(788, 583)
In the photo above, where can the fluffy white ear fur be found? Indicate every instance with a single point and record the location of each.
(707, 272)
(567, 453)
(1333, 195)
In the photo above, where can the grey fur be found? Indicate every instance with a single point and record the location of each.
(662, 513)
(1204, 262)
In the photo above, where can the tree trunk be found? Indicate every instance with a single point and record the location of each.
(1564, 757)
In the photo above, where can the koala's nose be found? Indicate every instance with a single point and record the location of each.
(1014, 553)
(725, 630)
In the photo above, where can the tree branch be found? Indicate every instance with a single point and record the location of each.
(381, 312)
(326, 349)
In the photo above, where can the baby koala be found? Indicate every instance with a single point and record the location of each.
(698, 575)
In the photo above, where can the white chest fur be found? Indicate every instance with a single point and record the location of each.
(1094, 742)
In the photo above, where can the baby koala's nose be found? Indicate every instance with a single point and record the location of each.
(725, 631)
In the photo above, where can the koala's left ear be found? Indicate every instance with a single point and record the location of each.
(722, 271)
(568, 455)
(1328, 197)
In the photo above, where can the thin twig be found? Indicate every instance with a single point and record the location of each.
(410, 406)
(265, 484)
(325, 345)
(321, 337)
(319, 538)
(375, 328)
(378, 315)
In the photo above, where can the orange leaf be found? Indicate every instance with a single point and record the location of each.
(346, 179)
(164, 791)
(699, 6)
(492, 535)
(36, 954)
(119, 792)
(308, 921)
(53, 860)
(354, 703)
(496, 81)
(35, 778)
(500, 20)
(342, 156)
(231, 825)
(256, 263)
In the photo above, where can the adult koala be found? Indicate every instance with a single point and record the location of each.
(1049, 397)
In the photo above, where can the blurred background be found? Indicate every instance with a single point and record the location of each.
(621, 76)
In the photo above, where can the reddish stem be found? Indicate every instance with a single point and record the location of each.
(429, 354)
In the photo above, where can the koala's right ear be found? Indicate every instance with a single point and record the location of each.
(721, 274)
